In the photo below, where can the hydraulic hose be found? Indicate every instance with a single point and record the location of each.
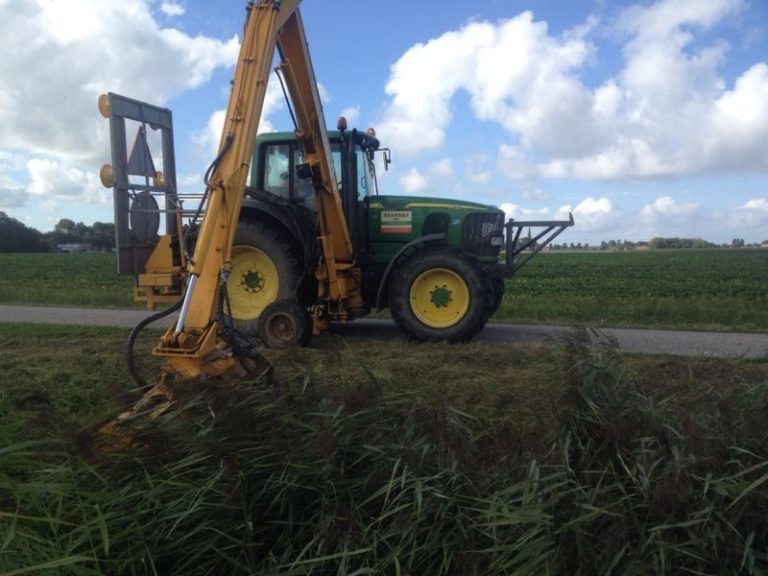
(132, 367)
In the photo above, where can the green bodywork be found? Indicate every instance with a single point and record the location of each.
(393, 221)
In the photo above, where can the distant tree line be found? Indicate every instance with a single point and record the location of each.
(15, 236)
(661, 243)
(657, 243)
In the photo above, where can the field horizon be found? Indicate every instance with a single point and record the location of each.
(713, 290)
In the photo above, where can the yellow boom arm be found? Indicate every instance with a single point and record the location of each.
(194, 347)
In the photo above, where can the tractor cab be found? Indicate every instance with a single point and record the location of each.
(277, 162)
(277, 176)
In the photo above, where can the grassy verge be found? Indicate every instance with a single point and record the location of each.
(375, 457)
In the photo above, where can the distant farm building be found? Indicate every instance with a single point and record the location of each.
(74, 248)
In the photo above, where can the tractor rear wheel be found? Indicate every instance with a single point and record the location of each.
(264, 270)
(441, 295)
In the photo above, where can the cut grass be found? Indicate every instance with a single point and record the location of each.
(375, 457)
(81, 371)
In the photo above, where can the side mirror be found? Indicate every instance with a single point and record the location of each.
(387, 158)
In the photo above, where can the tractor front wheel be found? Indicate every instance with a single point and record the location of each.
(499, 285)
(441, 295)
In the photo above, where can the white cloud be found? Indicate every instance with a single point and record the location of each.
(601, 219)
(592, 215)
(476, 168)
(516, 212)
(413, 182)
(534, 194)
(741, 122)
(351, 113)
(12, 194)
(421, 84)
(662, 20)
(442, 168)
(759, 205)
(480, 177)
(208, 139)
(49, 206)
(57, 180)
(667, 209)
(172, 9)
(434, 179)
(511, 161)
(515, 73)
(750, 217)
(80, 49)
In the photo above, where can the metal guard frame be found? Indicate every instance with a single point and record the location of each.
(514, 247)
(133, 252)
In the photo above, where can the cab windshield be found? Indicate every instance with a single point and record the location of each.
(279, 173)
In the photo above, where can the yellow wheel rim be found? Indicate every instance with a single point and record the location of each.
(253, 283)
(439, 298)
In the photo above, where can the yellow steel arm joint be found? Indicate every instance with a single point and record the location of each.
(227, 181)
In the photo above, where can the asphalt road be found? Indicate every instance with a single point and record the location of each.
(711, 344)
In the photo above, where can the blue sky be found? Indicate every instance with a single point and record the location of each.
(644, 119)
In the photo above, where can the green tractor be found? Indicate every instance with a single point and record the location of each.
(434, 263)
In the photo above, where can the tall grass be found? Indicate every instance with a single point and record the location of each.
(295, 481)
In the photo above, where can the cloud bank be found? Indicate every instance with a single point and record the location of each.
(668, 111)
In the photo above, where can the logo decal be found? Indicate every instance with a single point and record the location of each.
(396, 222)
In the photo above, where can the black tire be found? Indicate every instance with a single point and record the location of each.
(285, 324)
(440, 294)
(497, 284)
(265, 269)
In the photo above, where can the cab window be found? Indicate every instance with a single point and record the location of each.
(302, 186)
(279, 176)
(277, 170)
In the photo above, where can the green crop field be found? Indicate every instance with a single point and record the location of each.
(699, 289)
(696, 289)
(63, 279)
